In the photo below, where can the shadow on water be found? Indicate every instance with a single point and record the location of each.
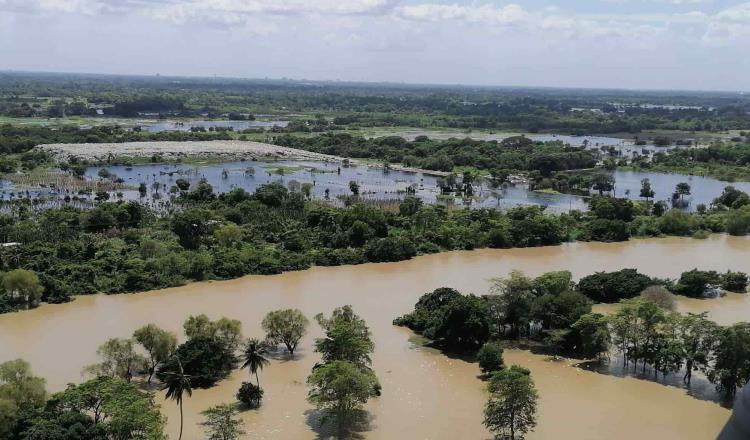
(699, 388)
(280, 354)
(325, 427)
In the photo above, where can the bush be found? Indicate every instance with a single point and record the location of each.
(734, 282)
(390, 249)
(250, 394)
(611, 287)
(693, 283)
(490, 357)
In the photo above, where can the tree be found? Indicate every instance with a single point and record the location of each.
(119, 359)
(660, 296)
(593, 332)
(734, 282)
(731, 367)
(177, 384)
(603, 182)
(125, 411)
(22, 288)
(347, 338)
(182, 184)
(463, 323)
(221, 423)
(254, 356)
(515, 295)
(354, 188)
(646, 191)
(250, 394)
(682, 189)
(286, 327)
(694, 282)
(228, 235)
(490, 357)
(340, 389)
(698, 338)
(20, 393)
(611, 287)
(205, 360)
(511, 408)
(227, 332)
(159, 344)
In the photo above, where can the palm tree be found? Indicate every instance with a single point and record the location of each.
(176, 384)
(255, 357)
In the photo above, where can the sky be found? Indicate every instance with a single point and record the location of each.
(635, 44)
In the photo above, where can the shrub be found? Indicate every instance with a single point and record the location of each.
(490, 357)
(250, 394)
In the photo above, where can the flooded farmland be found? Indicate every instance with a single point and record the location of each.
(426, 394)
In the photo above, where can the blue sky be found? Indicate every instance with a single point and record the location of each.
(651, 44)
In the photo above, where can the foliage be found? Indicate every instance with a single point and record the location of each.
(285, 327)
(511, 408)
(221, 423)
(21, 393)
(250, 394)
(610, 287)
(159, 344)
(347, 338)
(340, 389)
(119, 360)
(490, 357)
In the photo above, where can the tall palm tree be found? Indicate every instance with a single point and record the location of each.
(255, 357)
(177, 383)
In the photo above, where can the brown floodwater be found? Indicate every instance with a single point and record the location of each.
(426, 395)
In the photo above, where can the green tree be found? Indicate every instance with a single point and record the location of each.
(228, 235)
(347, 338)
(122, 408)
(222, 423)
(490, 357)
(682, 189)
(515, 294)
(698, 338)
(159, 344)
(119, 359)
(285, 327)
(511, 408)
(340, 389)
(177, 384)
(731, 367)
(22, 288)
(646, 191)
(20, 393)
(254, 356)
(593, 332)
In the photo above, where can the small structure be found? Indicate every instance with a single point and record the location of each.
(711, 291)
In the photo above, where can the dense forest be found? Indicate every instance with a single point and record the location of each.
(352, 104)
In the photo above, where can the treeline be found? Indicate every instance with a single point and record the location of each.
(21, 139)
(578, 111)
(125, 247)
(556, 314)
(515, 153)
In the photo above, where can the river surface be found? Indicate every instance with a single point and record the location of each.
(426, 395)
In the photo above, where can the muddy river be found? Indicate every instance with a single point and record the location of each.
(426, 395)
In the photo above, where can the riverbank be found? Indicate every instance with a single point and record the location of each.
(425, 393)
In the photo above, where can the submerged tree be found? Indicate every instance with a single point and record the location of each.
(159, 344)
(221, 423)
(340, 389)
(510, 411)
(254, 356)
(285, 327)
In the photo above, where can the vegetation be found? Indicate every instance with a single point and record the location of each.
(510, 412)
(343, 382)
(285, 327)
(555, 315)
(221, 423)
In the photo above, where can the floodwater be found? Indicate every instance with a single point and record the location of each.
(376, 184)
(426, 395)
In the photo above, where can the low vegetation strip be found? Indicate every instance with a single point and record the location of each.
(175, 150)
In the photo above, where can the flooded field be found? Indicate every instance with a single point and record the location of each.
(157, 127)
(426, 395)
